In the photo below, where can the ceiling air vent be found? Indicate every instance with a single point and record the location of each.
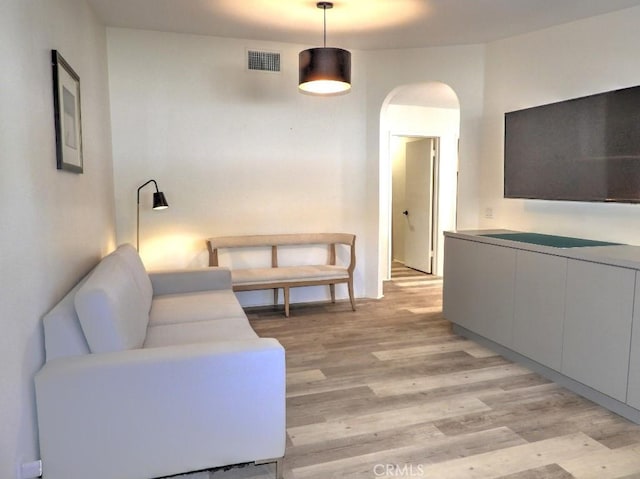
(263, 61)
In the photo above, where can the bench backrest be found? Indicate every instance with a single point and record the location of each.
(330, 239)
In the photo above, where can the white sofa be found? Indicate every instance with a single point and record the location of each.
(151, 375)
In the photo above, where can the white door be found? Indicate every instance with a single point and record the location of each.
(419, 207)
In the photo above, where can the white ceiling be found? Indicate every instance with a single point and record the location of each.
(355, 24)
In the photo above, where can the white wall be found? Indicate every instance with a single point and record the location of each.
(243, 152)
(462, 68)
(235, 152)
(568, 61)
(55, 225)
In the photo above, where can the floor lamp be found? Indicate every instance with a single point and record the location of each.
(159, 203)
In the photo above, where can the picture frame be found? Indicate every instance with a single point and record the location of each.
(67, 113)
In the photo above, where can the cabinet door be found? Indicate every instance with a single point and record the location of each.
(633, 391)
(539, 307)
(459, 278)
(597, 326)
(478, 288)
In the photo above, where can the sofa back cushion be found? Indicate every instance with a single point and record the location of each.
(112, 311)
(63, 335)
(134, 264)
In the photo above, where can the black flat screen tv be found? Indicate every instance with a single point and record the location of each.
(584, 149)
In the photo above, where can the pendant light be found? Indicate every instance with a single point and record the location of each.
(325, 70)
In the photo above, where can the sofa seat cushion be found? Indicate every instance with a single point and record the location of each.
(224, 329)
(288, 273)
(191, 307)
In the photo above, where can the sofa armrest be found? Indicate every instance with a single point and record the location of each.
(161, 411)
(190, 280)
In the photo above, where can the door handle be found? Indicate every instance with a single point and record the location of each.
(405, 212)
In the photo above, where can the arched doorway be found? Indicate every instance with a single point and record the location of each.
(410, 113)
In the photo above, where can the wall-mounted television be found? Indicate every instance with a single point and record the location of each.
(583, 149)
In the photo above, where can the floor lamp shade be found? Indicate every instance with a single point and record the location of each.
(159, 201)
(325, 70)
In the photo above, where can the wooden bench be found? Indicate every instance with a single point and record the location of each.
(285, 277)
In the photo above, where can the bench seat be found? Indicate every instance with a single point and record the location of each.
(261, 276)
(285, 277)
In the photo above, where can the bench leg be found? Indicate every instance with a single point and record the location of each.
(351, 298)
(285, 290)
(275, 296)
(332, 290)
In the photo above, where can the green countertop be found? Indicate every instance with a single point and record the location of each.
(549, 240)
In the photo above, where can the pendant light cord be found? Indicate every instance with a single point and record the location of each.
(324, 6)
(324, 9)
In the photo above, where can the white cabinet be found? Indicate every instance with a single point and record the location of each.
(576, 311)
(539, 307)
(495, 283)
(633, 389)
(597, 326)
(459, 282)
(478, 288)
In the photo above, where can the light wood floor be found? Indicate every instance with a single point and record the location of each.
(389, 391)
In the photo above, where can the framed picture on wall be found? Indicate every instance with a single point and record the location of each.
(68, 121)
